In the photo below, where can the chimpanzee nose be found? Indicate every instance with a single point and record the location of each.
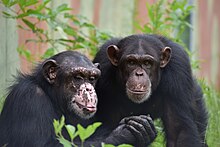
(139, 73)
(88, 89)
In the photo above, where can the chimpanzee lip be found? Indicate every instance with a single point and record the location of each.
(87, 108)
(136, 91)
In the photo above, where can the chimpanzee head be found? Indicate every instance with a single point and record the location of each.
(73, 77)
(139, 60)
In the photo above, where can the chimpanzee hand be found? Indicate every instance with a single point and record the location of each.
(138, 131)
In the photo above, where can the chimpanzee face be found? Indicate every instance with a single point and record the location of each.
(75, 78)
(139, 62)
(79, 87)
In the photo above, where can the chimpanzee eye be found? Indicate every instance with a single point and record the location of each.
(92, 78)
(131, 62)
(148, 64)
(78, 77)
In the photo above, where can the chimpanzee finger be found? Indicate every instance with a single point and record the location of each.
(141, 125)
(146, 126)
(123, 121)
(139, 137)
(150, 121)
(147, 123)
(144, 120)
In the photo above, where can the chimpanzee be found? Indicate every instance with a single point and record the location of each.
(150, 74)
(61, 85)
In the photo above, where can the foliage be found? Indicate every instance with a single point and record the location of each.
(213, 103)
(71, 29)
(81, 132)
(169, 18)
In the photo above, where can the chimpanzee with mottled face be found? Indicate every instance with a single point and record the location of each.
(61, 85)
(150, 74)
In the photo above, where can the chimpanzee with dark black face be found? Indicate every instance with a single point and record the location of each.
(61, 85)
(150, 74)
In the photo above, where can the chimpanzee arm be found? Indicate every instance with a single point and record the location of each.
(27, 118)
(138, 131)
(180, 129)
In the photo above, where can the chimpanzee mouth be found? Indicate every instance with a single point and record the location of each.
(87, 109)
(138, 92)
(138, 96)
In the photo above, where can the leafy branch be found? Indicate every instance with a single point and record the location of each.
(71, 29)
(80, 131)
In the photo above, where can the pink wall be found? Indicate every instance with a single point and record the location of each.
(206, 16)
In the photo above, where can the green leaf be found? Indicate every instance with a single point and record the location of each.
(66, 40)
(84, 133)
(69, 31)
(150, 12)
(49, 52)
(189, 8)
(88, 25)
(55, 125)
(5, 2)
(62, 121)
(110, 145)
(36, 14)
(22, 15)
(147, 29)
(107, 145)
(23, 52)
(71, 131)
(58, 125)
(9, 3)
(26, 3)
(45, 2)
(61, 8)
(29, 24)
(125, 145)
(65, 142)
(7, 15)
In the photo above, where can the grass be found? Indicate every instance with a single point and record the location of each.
(212, 99)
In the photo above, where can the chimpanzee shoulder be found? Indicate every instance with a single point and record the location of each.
(151, 74)
(62, 85)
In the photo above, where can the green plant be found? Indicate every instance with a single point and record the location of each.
(169, 18)
(80, 131)
(213, 103)
(71, 28)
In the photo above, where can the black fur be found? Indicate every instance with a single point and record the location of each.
(177, 99)
(33, 103)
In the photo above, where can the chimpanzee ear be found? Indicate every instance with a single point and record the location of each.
(165, 56)
(112, 52)
(50, 70)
